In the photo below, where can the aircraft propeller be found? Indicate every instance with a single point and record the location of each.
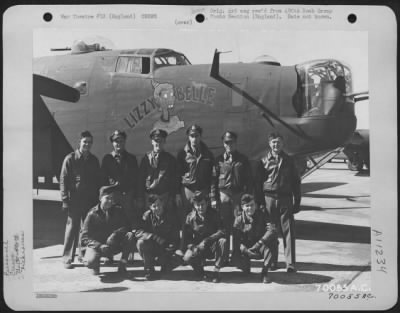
(267, 114)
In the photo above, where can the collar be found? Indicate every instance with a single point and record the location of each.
(188, 148)
(113, 153)
(270, 156)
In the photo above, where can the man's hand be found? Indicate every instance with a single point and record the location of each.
(296, 206)
(161, 241)
(129, 236)
(256, 247)
(105, 250)
(178, 200)
(65, 205)
(170, 248)
(214, 204)
(204, 244)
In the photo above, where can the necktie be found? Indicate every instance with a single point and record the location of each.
(228, 157)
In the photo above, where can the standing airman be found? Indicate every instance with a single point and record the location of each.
(79, 185)
(278, 189)
(233, 174)
(120, 167)
(158, 173)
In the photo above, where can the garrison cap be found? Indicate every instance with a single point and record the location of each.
(158, 133)
(117, 133)
(194, 129)
(199, 196)
(246, 198)
(229, 136)
(106, 190)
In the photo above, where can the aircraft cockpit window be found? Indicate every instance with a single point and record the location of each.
(322, 85)
(170, 60)
(137, 65)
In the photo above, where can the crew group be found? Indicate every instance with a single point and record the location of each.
(180, 210)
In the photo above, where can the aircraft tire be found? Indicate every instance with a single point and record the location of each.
(355, 164)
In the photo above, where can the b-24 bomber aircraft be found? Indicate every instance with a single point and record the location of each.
(135, 90)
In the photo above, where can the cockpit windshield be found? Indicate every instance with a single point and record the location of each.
(170, 59)
(323, 84)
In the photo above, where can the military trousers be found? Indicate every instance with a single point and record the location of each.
(229, 208)
(93, 254)
(150, 250)
(280, 211)
(76, 216)
(218, 250)
(127, 202)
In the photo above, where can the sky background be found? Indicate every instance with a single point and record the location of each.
(288, 47)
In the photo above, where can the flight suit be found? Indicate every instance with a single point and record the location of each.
(211, 231)
(105, 234)
(278, 188)
(79, 185)
(122, 169)
(257, 234)
(158, 176)
(233, 174)
(157, 237)
(195, 171)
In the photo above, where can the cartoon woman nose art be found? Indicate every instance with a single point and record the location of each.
(165, 99)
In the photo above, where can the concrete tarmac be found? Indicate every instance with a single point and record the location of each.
(332, 247)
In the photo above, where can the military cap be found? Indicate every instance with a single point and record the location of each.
(246, 198)
(153, 198)
(194, 129)
(158, 133)
(229, 136)
(117, 133)
(85, 134)
(106, 190)
(199, 196)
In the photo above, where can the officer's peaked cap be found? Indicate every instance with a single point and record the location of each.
(246, 198)
(229, 136)
(199, 196)
(106, 190)
(117, 133)
(158, 133)
(194, 129)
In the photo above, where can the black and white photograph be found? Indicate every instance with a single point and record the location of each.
(202, 151)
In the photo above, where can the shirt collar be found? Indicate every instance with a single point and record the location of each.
(79, 155)
(113, 153)
(270, 156)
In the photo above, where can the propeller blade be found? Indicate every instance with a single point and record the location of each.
(214, 73)
(51, 88)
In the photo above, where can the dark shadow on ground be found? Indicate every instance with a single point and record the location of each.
(108, 289)
(309, 230)
(363, 173)
(48, 223)
(333, 196)
(311, 187)
(238, 277)
(318, 208)
(310, 266)
(298, 278)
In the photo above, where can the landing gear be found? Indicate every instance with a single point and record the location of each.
(355, 163)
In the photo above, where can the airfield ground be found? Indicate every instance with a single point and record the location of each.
(333, 247)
